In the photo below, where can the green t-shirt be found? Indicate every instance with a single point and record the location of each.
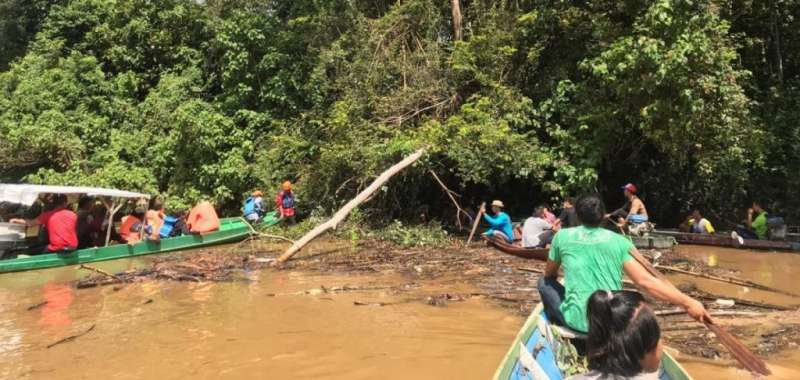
(760, 225)
(592, 260)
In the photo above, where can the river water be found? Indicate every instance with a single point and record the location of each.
(281, 325)
(264, 328)
(777, 270)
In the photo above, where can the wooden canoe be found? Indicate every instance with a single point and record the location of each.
(725, 240)
(231, 230)
(539, 362)
(511, 249)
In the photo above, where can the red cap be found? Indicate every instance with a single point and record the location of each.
(630, 188)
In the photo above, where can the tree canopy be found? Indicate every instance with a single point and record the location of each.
(695, 101)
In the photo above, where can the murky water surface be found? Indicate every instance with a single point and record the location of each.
(241, 330)
(270, 327)
(777, 270)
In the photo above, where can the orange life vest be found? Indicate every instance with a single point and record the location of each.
(203, 218)
(125, 229)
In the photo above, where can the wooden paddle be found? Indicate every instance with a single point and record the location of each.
(749, 360)
(475, 224)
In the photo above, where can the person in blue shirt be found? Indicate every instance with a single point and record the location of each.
(254, 207)
(500, 223)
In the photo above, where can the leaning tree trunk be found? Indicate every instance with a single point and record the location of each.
(344, 211)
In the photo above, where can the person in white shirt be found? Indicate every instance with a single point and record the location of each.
(537, 232)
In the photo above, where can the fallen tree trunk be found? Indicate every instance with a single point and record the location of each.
(344, 211)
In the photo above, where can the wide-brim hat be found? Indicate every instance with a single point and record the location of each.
(498, 203)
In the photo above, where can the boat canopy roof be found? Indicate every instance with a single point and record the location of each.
(27, 194)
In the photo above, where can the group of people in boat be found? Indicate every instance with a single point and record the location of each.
(64, 229)
(254, 209)
(623, 339)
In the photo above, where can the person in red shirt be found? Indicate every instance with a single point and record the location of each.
(285, 201)
(61, 224)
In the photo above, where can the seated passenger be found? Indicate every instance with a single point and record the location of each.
(61, 224)
(203, 218)
(755, 225)
(155, 217)
(127, 232)
(697, 224)
(624, 340)
(536, 231)
(254, 207)
(633, 211)
(568, 217)
(175, 225)
(500, 224)
(88, 231)
(594, 258)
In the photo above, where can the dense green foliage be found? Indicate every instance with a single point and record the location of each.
(694, 100)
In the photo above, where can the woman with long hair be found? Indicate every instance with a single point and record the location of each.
(624, 340)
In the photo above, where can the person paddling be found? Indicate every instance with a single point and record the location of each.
(500, 223)
(594, 258)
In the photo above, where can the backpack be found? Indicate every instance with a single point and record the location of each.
(249, 206)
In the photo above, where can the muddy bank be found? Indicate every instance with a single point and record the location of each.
(434, 276)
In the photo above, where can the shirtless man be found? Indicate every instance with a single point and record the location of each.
(633, 211)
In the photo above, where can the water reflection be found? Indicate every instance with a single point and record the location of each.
(55, 311)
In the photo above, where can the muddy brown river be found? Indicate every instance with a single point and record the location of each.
(283, 324)
(267, 328)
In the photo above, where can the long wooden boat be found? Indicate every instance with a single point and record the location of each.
(725, 240)
(231, 230)
(532, 354)
(511, 249)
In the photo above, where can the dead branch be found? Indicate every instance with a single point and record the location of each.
(71, 338)
(452, 195)
(98, 270)
(344, 211)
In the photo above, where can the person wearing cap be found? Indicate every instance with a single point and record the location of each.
(285, 202)
(594, 258)
(633, 210)
(500, 223)
(254, 207)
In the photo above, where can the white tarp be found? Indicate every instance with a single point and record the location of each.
(27, 194)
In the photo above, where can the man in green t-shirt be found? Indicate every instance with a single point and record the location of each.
(756, 224)
(594, 258)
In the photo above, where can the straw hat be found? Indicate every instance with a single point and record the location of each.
(498, 203)
(258, 193)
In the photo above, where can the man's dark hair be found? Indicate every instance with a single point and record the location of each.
(156, 204)
(84, 201)
(570, 200)
(538, 212)
(622, 330)
(590, 210)
(59, 200)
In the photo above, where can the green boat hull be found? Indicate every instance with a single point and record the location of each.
(670, 368)
(231, 230)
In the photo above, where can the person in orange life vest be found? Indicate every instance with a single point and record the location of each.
(155, 217)
(203, 218)
(285, 202)
(61, 224)
(130, 230)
